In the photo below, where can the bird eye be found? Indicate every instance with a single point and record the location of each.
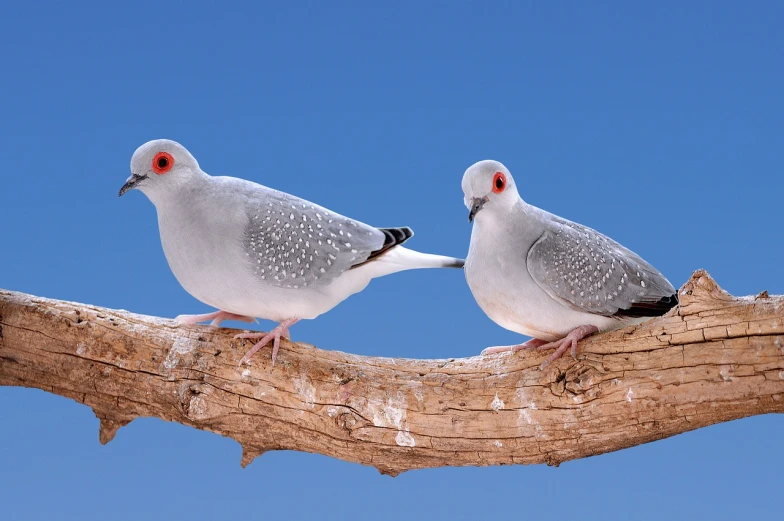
(499, 182)
(162, 163)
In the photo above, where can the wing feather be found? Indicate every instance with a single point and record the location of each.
(293, 243)
(590, 272)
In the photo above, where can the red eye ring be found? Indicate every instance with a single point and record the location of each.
(499, 182)
(162, 163)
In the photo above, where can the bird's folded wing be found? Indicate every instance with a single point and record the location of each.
(590, 272)
(294, 243)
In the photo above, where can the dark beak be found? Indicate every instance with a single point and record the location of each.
(478, 203)
(131, 183)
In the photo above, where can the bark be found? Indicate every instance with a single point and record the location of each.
(712, 359)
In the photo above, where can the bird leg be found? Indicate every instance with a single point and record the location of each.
(531, 344)
(280, 330)
(217, 317)
(561, 346)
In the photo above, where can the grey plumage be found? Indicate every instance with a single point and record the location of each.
(252, 251)
(547, 277)
(294, 243)
(591, 272)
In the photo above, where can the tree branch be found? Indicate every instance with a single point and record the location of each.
(714, 358)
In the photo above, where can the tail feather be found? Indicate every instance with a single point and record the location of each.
(392, 257)
(392, 237)
(400, 258)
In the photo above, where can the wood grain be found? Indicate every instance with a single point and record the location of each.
(712, 359)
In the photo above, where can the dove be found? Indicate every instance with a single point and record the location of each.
(254, 252)
(549, 278)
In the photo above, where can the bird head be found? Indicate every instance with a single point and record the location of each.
(488, 186)
(159, 166)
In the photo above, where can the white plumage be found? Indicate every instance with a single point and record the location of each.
(252, 251)
(549, 278)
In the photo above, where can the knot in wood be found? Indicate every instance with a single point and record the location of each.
(582, 379)
(193, 403)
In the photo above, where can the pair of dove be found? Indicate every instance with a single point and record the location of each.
(252, 251)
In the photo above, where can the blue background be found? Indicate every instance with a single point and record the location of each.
(659, 125)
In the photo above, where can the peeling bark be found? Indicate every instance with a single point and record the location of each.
(712, 359)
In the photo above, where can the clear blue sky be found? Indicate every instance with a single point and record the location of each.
(660, 125)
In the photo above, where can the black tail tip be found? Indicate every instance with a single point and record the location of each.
(650, 309)
(395, 236)
(456, 263)
(407, 232)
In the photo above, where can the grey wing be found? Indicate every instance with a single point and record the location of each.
(293, 243)
(592, 273)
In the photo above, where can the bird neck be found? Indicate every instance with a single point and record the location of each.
(177, 190)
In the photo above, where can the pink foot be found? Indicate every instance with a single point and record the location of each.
(217, 317)
(531, 344)
(569, 341)
(560, 346)
(280, 330)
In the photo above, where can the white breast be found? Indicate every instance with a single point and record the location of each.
(497, 275)
(201, 239)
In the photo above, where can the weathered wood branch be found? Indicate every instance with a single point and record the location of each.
(714, 358)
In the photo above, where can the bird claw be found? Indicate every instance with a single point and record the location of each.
(265, 338)
(249, 335)
(567, 342)
(495, 349)
(530, 344)
(216, 317)
(561, 345)
(281, 330)
(184, 320)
